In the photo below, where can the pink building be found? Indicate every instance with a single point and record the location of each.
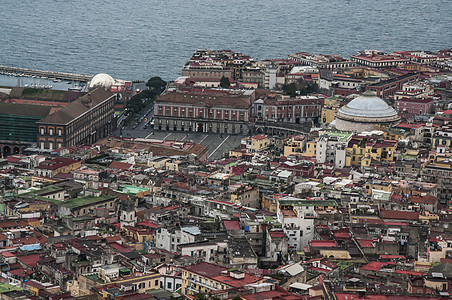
(407, 107)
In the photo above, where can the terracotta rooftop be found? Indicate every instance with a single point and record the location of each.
(399, 215)
(231, 225)
(192, 98)
(77, 107)
(56, 163)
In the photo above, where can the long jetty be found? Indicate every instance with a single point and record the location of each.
(49, 74)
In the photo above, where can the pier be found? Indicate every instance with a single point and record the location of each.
(13, 71)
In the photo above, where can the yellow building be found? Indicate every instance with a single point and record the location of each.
(49, 168)
(366, 72)
(137, 237)
(361, 150)
(270, 202)
(378, 185)
(395, 134)
(311, 149)
(157, 162)
(173, 165)
(259, 142)
(295, 145)
(256, 143)
(207, 278)
(426, 217)
(235, 153)
(141, 284)
(246, 196)
(330, 107)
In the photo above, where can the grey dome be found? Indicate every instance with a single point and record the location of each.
(368, 105)
(364, 113)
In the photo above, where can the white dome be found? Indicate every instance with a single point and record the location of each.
(102, 80)
(364, 113)
(368, 105)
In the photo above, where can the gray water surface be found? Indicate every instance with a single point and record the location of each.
(137, 39)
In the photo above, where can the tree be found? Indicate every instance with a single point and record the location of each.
(290, 89)
(156, 84)
(300, 87)
(136, 102)
(224, 82)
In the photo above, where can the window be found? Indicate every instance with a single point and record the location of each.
(169, 285)
(51, 131)
(42, 130)
(59, 132)
(156, 282)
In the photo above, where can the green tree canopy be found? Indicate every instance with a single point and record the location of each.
(224, 82)
(156, 84)
(300, 87)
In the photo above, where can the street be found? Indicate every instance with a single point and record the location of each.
(218, 144)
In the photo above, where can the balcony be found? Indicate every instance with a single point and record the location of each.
(203, 284)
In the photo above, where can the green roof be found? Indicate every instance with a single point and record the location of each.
(94, 277)
(83, 201)
(131, 189)
(268, 219)
(344, 264)
(342, 136)
(6, 287)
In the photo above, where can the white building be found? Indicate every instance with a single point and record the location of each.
(270, 77)
(203, 251)
(170, 277)
(169, 239)
(332, 148)
(298, 225)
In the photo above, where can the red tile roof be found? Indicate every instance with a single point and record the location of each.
(56, 163)
(342, 235)
(7, 254)
(427, 199)
(376, 265)
(148, 224)
(323, 244)
(21, 272)
(120, 248)
(277, 234)
(399, 215)
(120, 165)
(30, 260)
(214, 272)
(412, 273)
(366, 243)
(259, 137)
(231, 225)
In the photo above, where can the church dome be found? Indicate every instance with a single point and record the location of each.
(364, 112)
(102, 80)
(368, 105)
